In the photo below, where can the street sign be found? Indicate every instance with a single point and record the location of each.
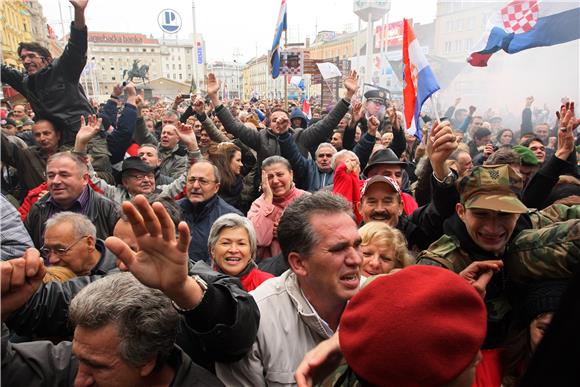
(169, 21)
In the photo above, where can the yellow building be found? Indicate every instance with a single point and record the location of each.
(16, 28)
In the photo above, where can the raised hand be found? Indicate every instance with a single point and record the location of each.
(117, 90)
(87, 131)
(472, 110)
(162, 260)
(568, 122)
(177, 101)
(529, 101)
(79, 4)
(373, 125)
(187, 135)
(351, 84)
(20, 278)
(394, 118)
(441, 143)
(212, 84)
(457, 101)
(358, 110)
(198, 105)
(281, 125)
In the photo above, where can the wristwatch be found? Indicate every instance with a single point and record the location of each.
(447, 181)
(202, 284)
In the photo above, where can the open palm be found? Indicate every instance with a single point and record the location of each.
(162, 260)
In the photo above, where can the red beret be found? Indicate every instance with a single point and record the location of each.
(421, 326)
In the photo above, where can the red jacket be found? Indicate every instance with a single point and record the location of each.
(254, 278)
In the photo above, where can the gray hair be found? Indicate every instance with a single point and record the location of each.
(341, 154)
(325, 145)
(149, 145)
(77, 158)
(216, 171)
(146, 321)
(296, 232)
(269, 161)
(81, 224)
(169, 113)
(232, 221)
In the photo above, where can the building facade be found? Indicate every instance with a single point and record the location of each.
(229, 75)
(16, 28)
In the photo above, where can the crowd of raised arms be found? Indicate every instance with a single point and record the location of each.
(242, 243)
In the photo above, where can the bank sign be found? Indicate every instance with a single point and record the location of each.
(169, 21)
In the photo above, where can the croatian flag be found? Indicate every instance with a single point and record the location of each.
(524, 24)
(419, 80)
(281, 26)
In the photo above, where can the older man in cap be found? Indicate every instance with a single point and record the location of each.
(492, 223)
(386, 163)
(137, 178)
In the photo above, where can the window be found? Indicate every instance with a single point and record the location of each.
(447, 47)
(173, 75)
(180, 76)
(112, 78)
(152, 50)
(179, 66)
(144, 50)
(189, 67)
(127, 49)
(174, 66)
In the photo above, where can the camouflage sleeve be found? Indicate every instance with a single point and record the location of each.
(547, 253)
(554, 213)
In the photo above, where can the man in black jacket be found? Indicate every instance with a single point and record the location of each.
(67, 179)
(52, 86)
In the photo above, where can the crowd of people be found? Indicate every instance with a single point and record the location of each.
(242, 243)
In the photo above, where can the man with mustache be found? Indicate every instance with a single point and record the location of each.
(382, 198)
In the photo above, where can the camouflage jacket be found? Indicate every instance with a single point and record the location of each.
(554, 230)
(548, 247)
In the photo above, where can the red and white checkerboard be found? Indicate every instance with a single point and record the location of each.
(520, 15)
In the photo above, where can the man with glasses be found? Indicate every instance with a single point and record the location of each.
(202, 207)
(70, 241)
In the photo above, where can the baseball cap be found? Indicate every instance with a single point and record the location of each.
(492, 187)
(425, 323)
(136, 163)
(379, 179)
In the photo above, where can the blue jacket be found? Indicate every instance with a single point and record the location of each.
(307, 175)
(200, 218)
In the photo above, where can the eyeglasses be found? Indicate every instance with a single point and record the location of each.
(201, 180)
(140, 178)
(60, 251)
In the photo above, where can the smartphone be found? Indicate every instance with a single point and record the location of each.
(186, 96)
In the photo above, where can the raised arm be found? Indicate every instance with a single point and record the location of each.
(320, 131)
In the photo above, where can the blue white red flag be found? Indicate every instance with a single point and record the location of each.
(523, 24)
(281, 26)
(419, 80)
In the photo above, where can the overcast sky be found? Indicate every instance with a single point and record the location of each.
(230, 26)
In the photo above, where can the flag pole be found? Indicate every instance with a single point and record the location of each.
(434, 105)
(286, 75)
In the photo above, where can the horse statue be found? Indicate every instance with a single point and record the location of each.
(137, 72)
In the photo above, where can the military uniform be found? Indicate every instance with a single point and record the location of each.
(544, 245)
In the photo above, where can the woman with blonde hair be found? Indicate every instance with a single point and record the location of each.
(383, 248)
